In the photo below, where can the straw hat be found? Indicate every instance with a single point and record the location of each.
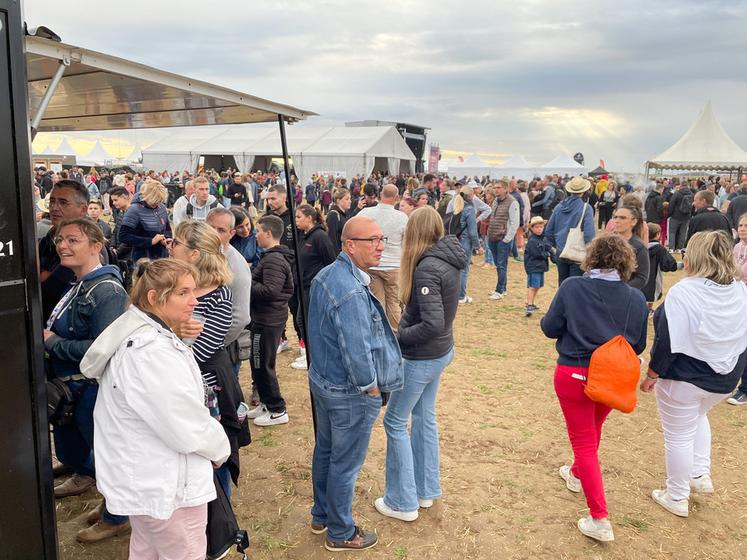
(537, 220)
(577, 185)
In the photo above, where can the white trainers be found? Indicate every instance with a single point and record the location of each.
(300, 362)
(702, 484)
(384, 509)
(495, 295)
(571, 482)
(424, 503)
(465, 299)
(283, 346)
(272, 418)
(677, 507)
(256, 412)
(597, 529)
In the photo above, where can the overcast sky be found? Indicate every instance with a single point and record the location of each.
(619, 81)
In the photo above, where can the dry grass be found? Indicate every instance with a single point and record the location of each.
(502, 440)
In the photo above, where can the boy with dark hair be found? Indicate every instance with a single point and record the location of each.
(272, 287)
(660, 261)
(95, 209)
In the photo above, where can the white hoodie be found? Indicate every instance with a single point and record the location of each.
(154, 439)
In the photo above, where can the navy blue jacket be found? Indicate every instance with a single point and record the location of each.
(536, 253)
(140, 225)
(248, 248)
(581, 318)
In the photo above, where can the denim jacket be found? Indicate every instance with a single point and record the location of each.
(99, 299)
(353, 349)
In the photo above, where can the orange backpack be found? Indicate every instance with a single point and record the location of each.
(614, 372)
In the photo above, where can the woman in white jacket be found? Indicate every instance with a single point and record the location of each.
(155, 442)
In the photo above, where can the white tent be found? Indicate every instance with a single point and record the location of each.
(45, 151)
(65, 149)
(346, 151)
(563, 165)
(134, 155)
(473, 166)
(705, 145)
(515, 167)
(97, 156)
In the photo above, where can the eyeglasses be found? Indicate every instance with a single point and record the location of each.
(374, 241)
(175, 242)
(70, 241)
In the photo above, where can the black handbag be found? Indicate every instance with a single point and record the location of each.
(222, 528)
(60, 403)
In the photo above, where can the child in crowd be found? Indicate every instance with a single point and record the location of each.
(272, 287)
(95, 209)
(536, 255)
(660, 261)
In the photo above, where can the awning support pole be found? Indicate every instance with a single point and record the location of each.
(302, 309)
(48, 96)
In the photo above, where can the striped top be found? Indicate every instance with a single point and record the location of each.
(217, 308)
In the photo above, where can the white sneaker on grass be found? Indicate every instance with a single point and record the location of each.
(702, 484)
(300, 362)
(495, 295)
(283, 346)
(677, 507)
(272, 418)
(384, 509)
(465, 299)
(571, 482)
(256, 412)
(425, 503)
(597, 529)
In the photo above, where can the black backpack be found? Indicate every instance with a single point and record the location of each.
(453, 224)
(559, 197)
(686, 204)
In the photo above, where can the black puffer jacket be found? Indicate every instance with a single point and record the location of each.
(425, 328)
(272, 287)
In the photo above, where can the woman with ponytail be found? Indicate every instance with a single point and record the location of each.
(462, 223)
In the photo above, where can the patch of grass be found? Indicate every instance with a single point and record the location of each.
(400, 553)
(272, 544)
(741, 536)
(634, 523)
(485, 390)
(486, 425)
(266, 439)
(739, 424)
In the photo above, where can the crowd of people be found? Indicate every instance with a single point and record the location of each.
(156, 287)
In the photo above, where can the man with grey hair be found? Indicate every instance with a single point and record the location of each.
(223, 222)
(385, 276)
(180, 206)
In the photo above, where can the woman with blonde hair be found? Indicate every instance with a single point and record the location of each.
(145, 226)
(155, 442)
(429, 283)
(462, 223)
(196, 243)
(698, 356)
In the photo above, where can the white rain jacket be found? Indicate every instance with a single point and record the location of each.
(154, 439)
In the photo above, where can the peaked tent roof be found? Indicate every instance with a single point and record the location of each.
(516, 161)
(65, 149)
(599, 171)
(45, 151)
(705, 145)
(564, 163)
(97, 156)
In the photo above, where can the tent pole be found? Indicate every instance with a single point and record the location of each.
(48, 96)
(302, 309)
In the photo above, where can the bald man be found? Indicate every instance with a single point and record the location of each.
(385, 276)
(354, 358)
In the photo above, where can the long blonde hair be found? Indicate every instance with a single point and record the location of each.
(212, 265)
(424, 228)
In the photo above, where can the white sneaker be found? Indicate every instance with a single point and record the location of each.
(571, 482)
(597, 529)
(465, 299)
(384, 509)
(272, 418)
(425, 504)
(496, 295)
(702, 484)
(300, 363)
(677, 507)
(283, 346)
(256, 412)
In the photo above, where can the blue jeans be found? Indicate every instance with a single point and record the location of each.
(73, 443)
(467, 246)
(412, 461)
(224, 476)
(486, 249)
(514, 249)
(567, 269)
(343, 432)
(500, 252)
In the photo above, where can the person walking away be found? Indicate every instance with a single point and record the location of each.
(654, 205)
(69, 333)
(431, 265)
(155, 442)
(536, 255)
(385, 276)
(585, 313)
(698, 356)
(462, 223)
(315, 251)
(145, 226)
(628, 224)
(660, 261)
(504, 220)
(680, 210)
(568, 215)
(706, 217)
(179, 213)
(740, 254)
(337, 216)
(350, 368)
(272, 287)
(326, 199)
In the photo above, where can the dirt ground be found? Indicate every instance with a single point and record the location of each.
(502, 440)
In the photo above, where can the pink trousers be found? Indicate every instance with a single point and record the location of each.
(583, 419)
(182, 537)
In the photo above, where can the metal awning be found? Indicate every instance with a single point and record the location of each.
(97, 91)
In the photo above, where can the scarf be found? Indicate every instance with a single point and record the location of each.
(609, 274)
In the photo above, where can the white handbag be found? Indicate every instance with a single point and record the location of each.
(575, 246)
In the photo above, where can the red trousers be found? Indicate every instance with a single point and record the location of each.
(583, 419)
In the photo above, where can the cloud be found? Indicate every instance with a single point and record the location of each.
(619, 82)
